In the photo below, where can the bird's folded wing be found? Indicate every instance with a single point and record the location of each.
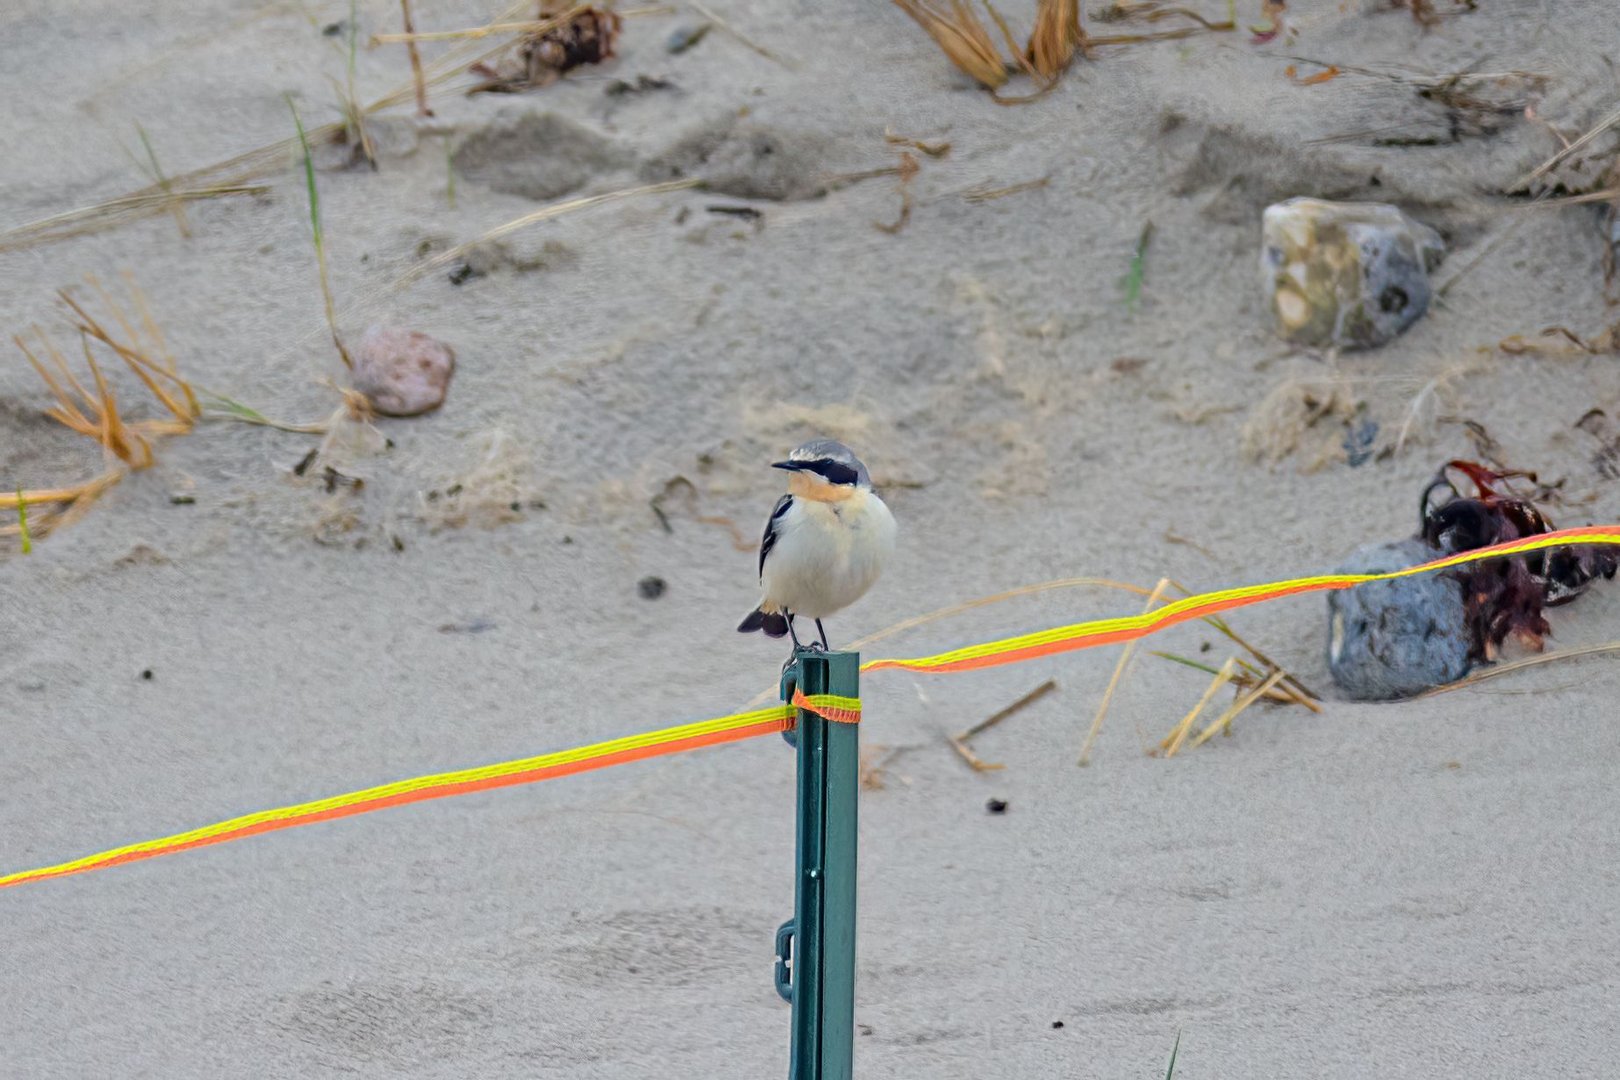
(768, 541)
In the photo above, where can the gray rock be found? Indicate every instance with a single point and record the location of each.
(1393, 639)
(1350, 275)
(534, 154)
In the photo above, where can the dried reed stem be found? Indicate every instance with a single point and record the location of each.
(1563, 155)
(451, 256)
(1178, 734)
(733, 32)
(1055, 37)
(959, 742)
(527, 27)
(1224, 721)
(1113, 683)
(1496, 670)
(956, 29)
(416, 60)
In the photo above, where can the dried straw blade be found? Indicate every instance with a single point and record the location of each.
(956, 29)
(132, 207)
(1178, 734)
(737, 35)
(45, 518)
(1496, 670)
(1246, 677)
(184, 409)
(1302, 693)
(1056, 36)
(1224, 721)
(1113, 683)
(959, 743)
(1563, 155)
(417, 80)
(526, 27)
(448, 258)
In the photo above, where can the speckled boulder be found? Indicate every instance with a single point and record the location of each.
(403, 372)
(1350, 275)
(1393, 639)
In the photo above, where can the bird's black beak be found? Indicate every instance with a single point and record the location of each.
(790, 466)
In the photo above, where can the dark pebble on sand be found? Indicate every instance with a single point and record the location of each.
(651, 588)
(996, 806)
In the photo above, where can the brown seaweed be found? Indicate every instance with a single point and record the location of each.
(1504, 597)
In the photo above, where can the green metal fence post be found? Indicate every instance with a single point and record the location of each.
(815, 952)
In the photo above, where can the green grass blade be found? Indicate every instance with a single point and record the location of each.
(315, 229)
(1171, 1072)
(1190, 663)
(1132, 281)
(22, 523)
(309, 176)
(236, 408)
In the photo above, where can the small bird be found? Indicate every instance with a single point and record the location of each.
(825, 543)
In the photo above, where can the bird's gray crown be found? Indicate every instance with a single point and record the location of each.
(829, 459)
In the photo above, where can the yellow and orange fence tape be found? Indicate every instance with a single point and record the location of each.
(1087, 635)
(777, 718)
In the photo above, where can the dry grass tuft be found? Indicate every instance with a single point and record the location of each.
(1056, 36)
(89, 407)
(963, 39)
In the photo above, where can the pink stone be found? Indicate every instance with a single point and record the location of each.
(403, 372)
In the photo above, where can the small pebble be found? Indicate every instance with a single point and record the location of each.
(651, 588)
(147, 674)
(684, 37)
(1056, 1024)
(996, 806)
(403, 372)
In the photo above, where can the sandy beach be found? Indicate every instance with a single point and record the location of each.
(1410, 889)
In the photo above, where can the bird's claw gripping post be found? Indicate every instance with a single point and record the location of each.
(815, 950)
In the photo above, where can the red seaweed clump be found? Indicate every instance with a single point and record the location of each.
(1504, 597)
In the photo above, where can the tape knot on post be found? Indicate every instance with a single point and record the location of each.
(834, 707)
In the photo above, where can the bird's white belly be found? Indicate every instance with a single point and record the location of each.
(826, 559)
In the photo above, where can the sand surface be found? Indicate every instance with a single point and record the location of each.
(1410, 890)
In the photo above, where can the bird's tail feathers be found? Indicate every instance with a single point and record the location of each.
(771, 623)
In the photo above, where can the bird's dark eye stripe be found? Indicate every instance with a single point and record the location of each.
(834, 472)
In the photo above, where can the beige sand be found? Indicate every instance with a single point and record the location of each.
(1402, 891)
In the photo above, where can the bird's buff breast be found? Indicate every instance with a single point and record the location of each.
(828, 555)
